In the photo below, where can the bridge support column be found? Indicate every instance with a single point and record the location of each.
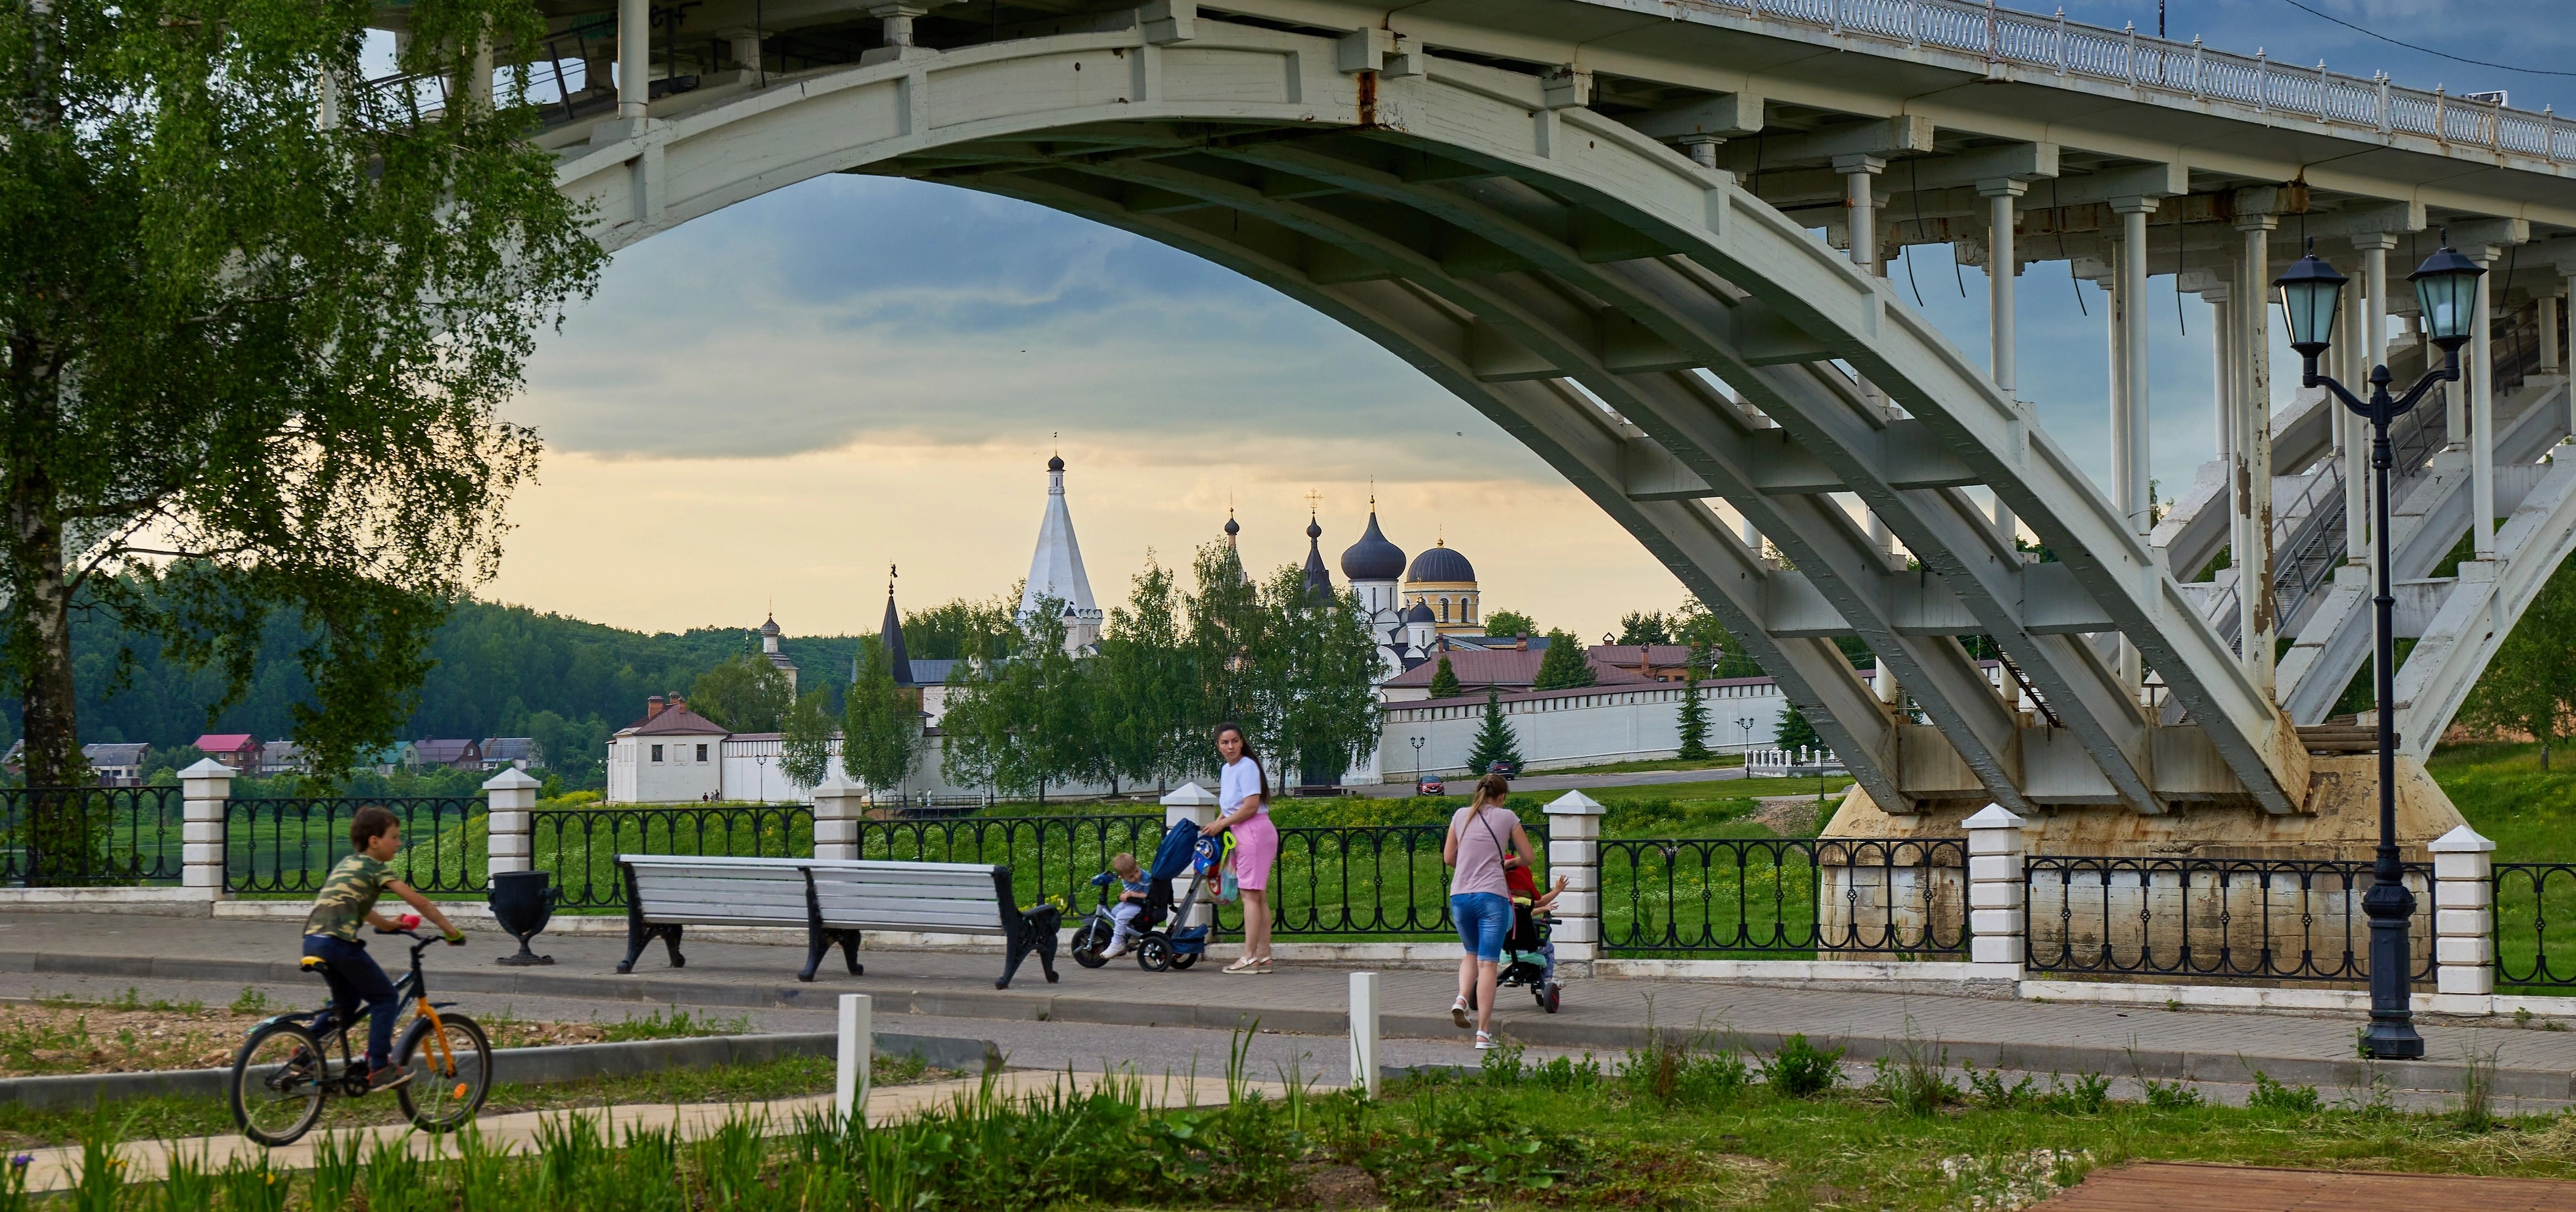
(634, 58)
(2003, 265)
(2548, 305)
(2253, 553)
(2222, 375)
(2480, 357)
(1860, 201)
(2129, 309)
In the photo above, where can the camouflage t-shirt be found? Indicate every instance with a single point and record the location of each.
(347, 897)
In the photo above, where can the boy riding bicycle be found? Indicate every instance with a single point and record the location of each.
(348, 897)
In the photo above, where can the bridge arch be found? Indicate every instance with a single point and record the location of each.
(1569, 278)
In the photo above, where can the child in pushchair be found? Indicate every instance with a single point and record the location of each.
(1529, 958)
(1107, 934)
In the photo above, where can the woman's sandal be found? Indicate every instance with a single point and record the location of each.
(1458, 1014)
(1484, 1041)
(1246, 964)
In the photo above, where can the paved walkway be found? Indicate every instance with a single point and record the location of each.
(56, 1169)
(2172, 1187)
(2535, 1068)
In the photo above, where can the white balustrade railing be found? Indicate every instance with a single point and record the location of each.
(1777, 760)
(2184, 68)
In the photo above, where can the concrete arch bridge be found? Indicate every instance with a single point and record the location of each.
(1646, 237)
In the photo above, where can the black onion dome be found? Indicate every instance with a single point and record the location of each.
(1319, 583)
(1373, 558)
(1441, 563)
(1055, 462)
(1231, 528)
(1421, 613)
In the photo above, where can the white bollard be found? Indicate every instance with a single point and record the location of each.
(1364, 1075)
(858, 1046)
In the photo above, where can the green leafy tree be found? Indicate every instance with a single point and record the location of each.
(1312, 668)
(258, 322)
(1563, 664)
(960, 630)
(1444, 680)
(574, 750)
(2530, 684)
(1509, 622)
(805, 740)
(1794, 730)
(881, 733)
(1225, 620)
(1645, 627)
(1015, 724)
(1149, 717)
(1494, 739)
(1693, 722)
(746, 694)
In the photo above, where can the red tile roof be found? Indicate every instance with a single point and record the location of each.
(224, 742)
(1507, 668)
(677, 721)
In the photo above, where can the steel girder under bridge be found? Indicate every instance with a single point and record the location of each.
(1658, 332)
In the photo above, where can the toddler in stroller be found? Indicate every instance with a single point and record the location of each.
(1135, 916)
(1529, 958)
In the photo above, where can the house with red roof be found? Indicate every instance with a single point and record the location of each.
(239, 750)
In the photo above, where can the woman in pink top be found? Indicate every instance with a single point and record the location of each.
(1243, 795)
(1482, 837)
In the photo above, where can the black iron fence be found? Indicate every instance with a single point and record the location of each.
(1786, 898)
(1049, 856)
(580, 845)
(2528, 896)
(2251, 919)
(290, 845)
(86, 836)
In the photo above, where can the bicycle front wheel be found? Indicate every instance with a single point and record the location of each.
(279, 1083)
(451, 1071)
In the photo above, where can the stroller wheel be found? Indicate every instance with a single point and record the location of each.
(1089, 942)
(1153, 953)
(1549, 995)
(1181, 960)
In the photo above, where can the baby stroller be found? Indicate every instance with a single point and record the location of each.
(1156, 948)
(1528, 961)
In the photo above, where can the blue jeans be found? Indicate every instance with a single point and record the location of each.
(1484, 921)
(354, 978)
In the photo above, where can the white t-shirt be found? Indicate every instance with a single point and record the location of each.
(1240, 780)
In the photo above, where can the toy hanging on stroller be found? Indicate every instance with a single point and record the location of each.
(1164, 939)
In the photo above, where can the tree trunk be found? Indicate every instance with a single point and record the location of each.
(61, 841)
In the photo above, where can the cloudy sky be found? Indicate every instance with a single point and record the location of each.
(774, 403)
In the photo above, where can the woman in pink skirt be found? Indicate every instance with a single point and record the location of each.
(1243, 796)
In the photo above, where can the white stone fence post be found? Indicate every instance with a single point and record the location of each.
(1574, 852)
(509, 843)
(839, 805)
(2463, 922)
(207, 788)
(1997, 922)
(1197, 805)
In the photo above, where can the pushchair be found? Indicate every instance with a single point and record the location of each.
(1528, 961)
(1157, 947)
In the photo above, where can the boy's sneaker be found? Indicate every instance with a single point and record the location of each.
(387, 1078)
(1115, 950)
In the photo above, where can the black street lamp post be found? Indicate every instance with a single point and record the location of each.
(2310, 293)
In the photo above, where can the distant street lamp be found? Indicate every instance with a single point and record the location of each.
(1417, 759)
(1746, 723)
(2446, 288)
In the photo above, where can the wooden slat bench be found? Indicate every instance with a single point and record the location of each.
(833, 899)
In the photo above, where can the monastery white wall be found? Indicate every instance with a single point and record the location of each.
(1562, 728)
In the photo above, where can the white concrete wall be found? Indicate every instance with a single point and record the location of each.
(679, 778)
(1578, 727)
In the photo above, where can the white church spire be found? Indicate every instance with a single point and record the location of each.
(1056, 570)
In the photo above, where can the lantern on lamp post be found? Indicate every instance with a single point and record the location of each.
(2310, 291)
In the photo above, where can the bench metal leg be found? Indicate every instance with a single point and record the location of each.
(819, 943)
(1036, 933)
(639, 936)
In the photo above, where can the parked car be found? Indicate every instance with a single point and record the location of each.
(1505, 769)
(1427, 785)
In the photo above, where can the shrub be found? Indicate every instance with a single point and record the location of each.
(2170, 1096)
(1802, 1070)
(2086, 1095)
(1913, 1078)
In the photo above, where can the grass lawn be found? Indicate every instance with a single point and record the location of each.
(1661, 1129)
(170, 1118)
(2531, 815)
(1720, 762)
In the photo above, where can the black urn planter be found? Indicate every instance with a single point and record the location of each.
(523, 902)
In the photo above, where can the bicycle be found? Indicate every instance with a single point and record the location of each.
(284, 1074)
